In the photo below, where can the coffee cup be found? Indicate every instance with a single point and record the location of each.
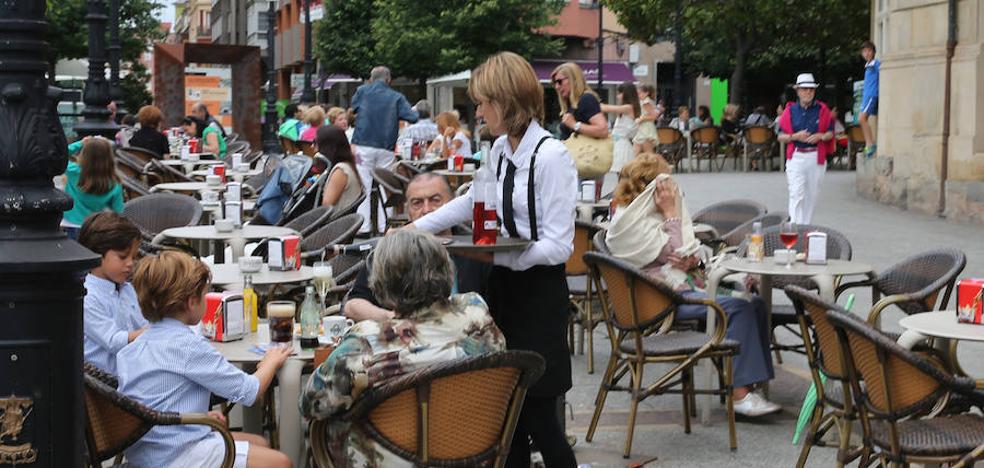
(210, 196)
(213, 180)
(250, 264)
(469, 167)
(335, 326)
(224, 225)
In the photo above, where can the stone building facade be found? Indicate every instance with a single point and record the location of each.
(911, 39)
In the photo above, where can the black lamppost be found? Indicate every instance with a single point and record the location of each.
(307, 94)
(115, 92)
(270, 142)
(40, 269)
(678, 58)
(95, 114)
(601, 45)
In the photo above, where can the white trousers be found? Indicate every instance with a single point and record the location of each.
(369, 158)
(803, 176)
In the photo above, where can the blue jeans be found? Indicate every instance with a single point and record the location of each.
(748, 324)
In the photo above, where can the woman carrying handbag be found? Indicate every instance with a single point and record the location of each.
(581, 116)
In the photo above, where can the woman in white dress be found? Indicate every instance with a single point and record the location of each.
(627, 111)
(645, 138)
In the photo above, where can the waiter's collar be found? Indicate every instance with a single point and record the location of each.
(534, 133)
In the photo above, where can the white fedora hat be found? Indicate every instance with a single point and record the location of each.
(805, 80)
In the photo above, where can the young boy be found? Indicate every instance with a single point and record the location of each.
(112, 315)
(869, 96)
(171, 368)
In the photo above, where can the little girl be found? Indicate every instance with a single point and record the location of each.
(92, 183)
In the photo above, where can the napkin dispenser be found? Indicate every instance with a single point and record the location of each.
(284, 253)
(969, 299)
(234, 212)
(225, 318)
(816, 248)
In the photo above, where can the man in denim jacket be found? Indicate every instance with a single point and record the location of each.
(379, 110)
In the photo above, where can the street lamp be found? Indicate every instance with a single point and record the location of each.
(40, 269)
(95, 114)
(601, 44)
(271, 144)
(307, 95)
(115, 92)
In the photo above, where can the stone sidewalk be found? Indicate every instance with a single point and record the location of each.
(880, 236)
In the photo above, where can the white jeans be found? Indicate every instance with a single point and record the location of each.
(369, 158)
(209, 453)
(803, 175)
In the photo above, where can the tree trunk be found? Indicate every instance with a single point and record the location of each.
(422, 88)
(737, 82)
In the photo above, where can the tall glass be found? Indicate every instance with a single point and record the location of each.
(324, 280)
(280, 315)
(788, 236)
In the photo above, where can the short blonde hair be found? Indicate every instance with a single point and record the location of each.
(314, 116)
(447, 120)
(508, 82)
(333, 114)
(731, 110)
(166, 281)
(579, 86)
(637, 174)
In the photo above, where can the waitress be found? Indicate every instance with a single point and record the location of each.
(528, 296)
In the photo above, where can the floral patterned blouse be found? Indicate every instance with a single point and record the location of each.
(373, 352)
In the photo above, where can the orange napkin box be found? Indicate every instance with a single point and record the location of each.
(225, 318)
(969, 299)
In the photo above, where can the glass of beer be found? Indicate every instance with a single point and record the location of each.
(280, 315)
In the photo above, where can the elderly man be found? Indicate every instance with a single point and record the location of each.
(425, 129)
(806, 127)
(379, 110)
(426, 193)
(200, 111)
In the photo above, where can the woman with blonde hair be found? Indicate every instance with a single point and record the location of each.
(652, 230)
(314, 118)
(536, 183)
(451, 138)
(645, 138)
(580, 109)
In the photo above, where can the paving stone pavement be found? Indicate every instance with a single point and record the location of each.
(880, 235)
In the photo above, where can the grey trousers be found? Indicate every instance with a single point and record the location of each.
(748, 324)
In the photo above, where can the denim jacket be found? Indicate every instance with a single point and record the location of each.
(378, 109)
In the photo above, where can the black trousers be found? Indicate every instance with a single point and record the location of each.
(539, 422)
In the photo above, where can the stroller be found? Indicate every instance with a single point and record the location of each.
(286, 189)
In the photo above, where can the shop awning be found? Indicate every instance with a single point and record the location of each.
(613, 73)
(331, 80)
(455, 79)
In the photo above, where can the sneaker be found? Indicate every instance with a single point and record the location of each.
(754, 405)
(869, 151)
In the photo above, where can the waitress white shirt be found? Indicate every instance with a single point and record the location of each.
(556, 187)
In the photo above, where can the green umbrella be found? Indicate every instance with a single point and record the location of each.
(810, 400)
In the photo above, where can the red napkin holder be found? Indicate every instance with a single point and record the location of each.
(969, 300)
(225, 318)
(284, 253)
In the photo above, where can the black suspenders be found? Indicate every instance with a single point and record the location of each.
(510, 222)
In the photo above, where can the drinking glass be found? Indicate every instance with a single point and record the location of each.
(788, 236)
(280, 315)
(324, 280)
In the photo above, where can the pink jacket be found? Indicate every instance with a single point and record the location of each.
(826, 121)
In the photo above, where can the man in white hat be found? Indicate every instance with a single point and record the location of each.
(806, 128)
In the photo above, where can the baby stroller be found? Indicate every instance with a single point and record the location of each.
(286, 181)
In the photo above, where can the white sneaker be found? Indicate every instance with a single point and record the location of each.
(754, 405)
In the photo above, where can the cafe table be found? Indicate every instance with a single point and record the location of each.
(463, 245)
(238, 175)
(946, 331)
(289, 424)
(193, 187)
(824, 276)
(236, 237)
(229, 274)
(188, 166)
(457, 178)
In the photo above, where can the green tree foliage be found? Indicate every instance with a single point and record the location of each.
(343, 40)
(134, 86)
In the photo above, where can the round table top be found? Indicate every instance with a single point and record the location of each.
(248, 205)
(942, 324)
(447, 173)
(768, 266)
(186, 186)
(229, 273)
(464, 244)
(239, 351)
(208, 232)
(181, 162)
(229, 173)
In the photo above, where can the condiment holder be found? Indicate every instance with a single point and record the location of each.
(210, 196)
(213, 180)
(250, 264)
(224, 225)
(784, 256)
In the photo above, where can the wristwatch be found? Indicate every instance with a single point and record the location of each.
(577, 127)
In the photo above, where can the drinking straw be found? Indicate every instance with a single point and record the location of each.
(810, 400)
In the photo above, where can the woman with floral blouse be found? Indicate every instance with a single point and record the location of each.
(412, 274)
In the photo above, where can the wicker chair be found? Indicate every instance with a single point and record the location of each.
(705, 141)
(388, 188)
(760, 143)
(347, 210)
(166, 173)
(238, 147)
(135, 168)
(582, 290)
(337, 232)
(159, 211)
(142, 154)
(599, 242)
(731, 240)
(726, 216)
(898, 385)
(132, 188)
(855, 144)
(834, 405)
(838, 247)
(311, 221)
(418, 416)
(114, 421)
(914, 284)
(639, 313)
(672, 145)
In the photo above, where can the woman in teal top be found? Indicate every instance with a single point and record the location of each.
(92, 184)
(212, 140)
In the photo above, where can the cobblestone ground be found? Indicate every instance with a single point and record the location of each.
(880, 236)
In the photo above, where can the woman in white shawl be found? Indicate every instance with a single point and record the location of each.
(652, 230)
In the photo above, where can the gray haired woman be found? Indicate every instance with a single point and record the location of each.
(411, 273)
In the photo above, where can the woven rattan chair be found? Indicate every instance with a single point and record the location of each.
(114, 421)
(760, 143)
(834, 407)
(838, 247)
(726, 216)
(582, 290)
(599, 242)
(705, 142)
(239, 146)
(899, 385)
(914, 284)
(166, 173)
(731, 240)
(418, 416)
(388, 189)
(639, 313)
(132, 188)
(338, 232)
(135, 168)
(159, 211)
(304, 224)
(855, 144)
(143, 154)
(672, 145)
(348, 209)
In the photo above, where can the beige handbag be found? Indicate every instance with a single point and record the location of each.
(592, 156)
